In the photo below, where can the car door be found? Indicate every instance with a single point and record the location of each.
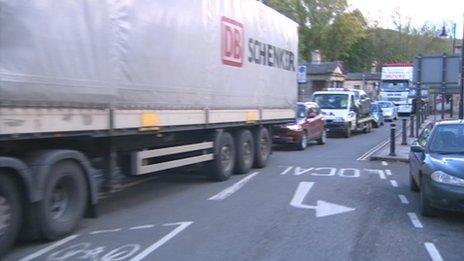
(417, 158)
(310, 120)
(319, 122)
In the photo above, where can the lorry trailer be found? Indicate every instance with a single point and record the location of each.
(92, 92)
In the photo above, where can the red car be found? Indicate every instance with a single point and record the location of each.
(309, 125)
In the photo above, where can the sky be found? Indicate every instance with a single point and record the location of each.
(420, 11)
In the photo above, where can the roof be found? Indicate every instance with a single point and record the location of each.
(325, 67)
(363, 76)
(334, 92)
(450, 122)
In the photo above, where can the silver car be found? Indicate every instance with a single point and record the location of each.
(389, 109)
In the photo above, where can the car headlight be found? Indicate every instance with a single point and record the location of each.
(442, 177)
(295, 127)
(338, 119)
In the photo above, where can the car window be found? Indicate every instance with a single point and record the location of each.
(331, 101)
(424, 137)
(301, 111)
(448, 139)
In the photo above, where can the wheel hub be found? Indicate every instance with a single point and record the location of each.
(264, 147)
(225, 156)
(5, 215)
(59, 201)
(247, 151)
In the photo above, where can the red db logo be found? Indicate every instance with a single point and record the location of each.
(231, 42)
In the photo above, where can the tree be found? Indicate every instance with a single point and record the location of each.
(339, 38)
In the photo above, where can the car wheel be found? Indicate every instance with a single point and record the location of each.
(426, 209)
(412, 183)
(347, 133)
(303, 141)
(10, 213)
(322, 140)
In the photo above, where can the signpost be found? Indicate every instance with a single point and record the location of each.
(437, 74)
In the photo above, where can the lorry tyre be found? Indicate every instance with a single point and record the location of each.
(347, 133)
(10, 213)
(64, 200)
(222, 166)
(368, 127)
(303, 142)
(263, 146)
(245, 151)
(323, 138)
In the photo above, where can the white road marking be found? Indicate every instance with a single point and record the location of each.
(234, 188)
(286, 170)
(378, 171)
(388, 172)
(366, 155)
(322, 208)
(300, 170)
(415, 220)
(403, 199)
(142, 227)
(433, 252)
(162, 241)
(49, 248)
(105, 231)
(384, 163)
(394, 183)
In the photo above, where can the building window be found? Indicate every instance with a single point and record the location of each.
(357, 86)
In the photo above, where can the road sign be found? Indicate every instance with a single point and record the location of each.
(302, 74)
(438, 73)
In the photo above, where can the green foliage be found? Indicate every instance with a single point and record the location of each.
(326, 25)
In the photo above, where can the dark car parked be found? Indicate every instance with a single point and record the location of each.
(309, 125)
(437, 167)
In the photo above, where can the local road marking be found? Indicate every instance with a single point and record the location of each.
(394, 183)
(415, 220)
(403, 199)
(105, 231)
(433, 252)
(378, 171)
(374, 149)
(234, 188)
(286, 170)
(322, 208)
(49, 248)
(142, 227)
(388, 172)
(384, 163)
(299, 171)
(162, 241)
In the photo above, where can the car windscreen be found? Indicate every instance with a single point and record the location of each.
(331, 101)
(375, 108)
(448, 139)
(300, 111)
(385, 105)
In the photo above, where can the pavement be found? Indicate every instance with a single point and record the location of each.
(401, 153)
(329, 202)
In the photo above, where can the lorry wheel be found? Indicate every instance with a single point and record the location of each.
(263, 144)
(368, 127)
(245, 148)
(222, 166)
(10, 213)
(64, 200)
(303, 143)
(347, 133)
(323, 138)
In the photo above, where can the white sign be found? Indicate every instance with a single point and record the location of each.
(302, 74)
(397, 73)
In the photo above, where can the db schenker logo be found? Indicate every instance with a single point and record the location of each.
(231, 42)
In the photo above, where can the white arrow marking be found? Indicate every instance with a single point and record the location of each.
(322, 208)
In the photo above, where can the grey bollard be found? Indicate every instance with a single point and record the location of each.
(403, 132)
(392, 139)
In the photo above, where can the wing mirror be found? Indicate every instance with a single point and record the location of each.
(416, 148)
(312, 115)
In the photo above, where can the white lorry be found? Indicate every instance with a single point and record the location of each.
(396, 85)
(342, 112)
(94, 91)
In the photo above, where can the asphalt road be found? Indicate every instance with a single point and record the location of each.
(319, 204)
